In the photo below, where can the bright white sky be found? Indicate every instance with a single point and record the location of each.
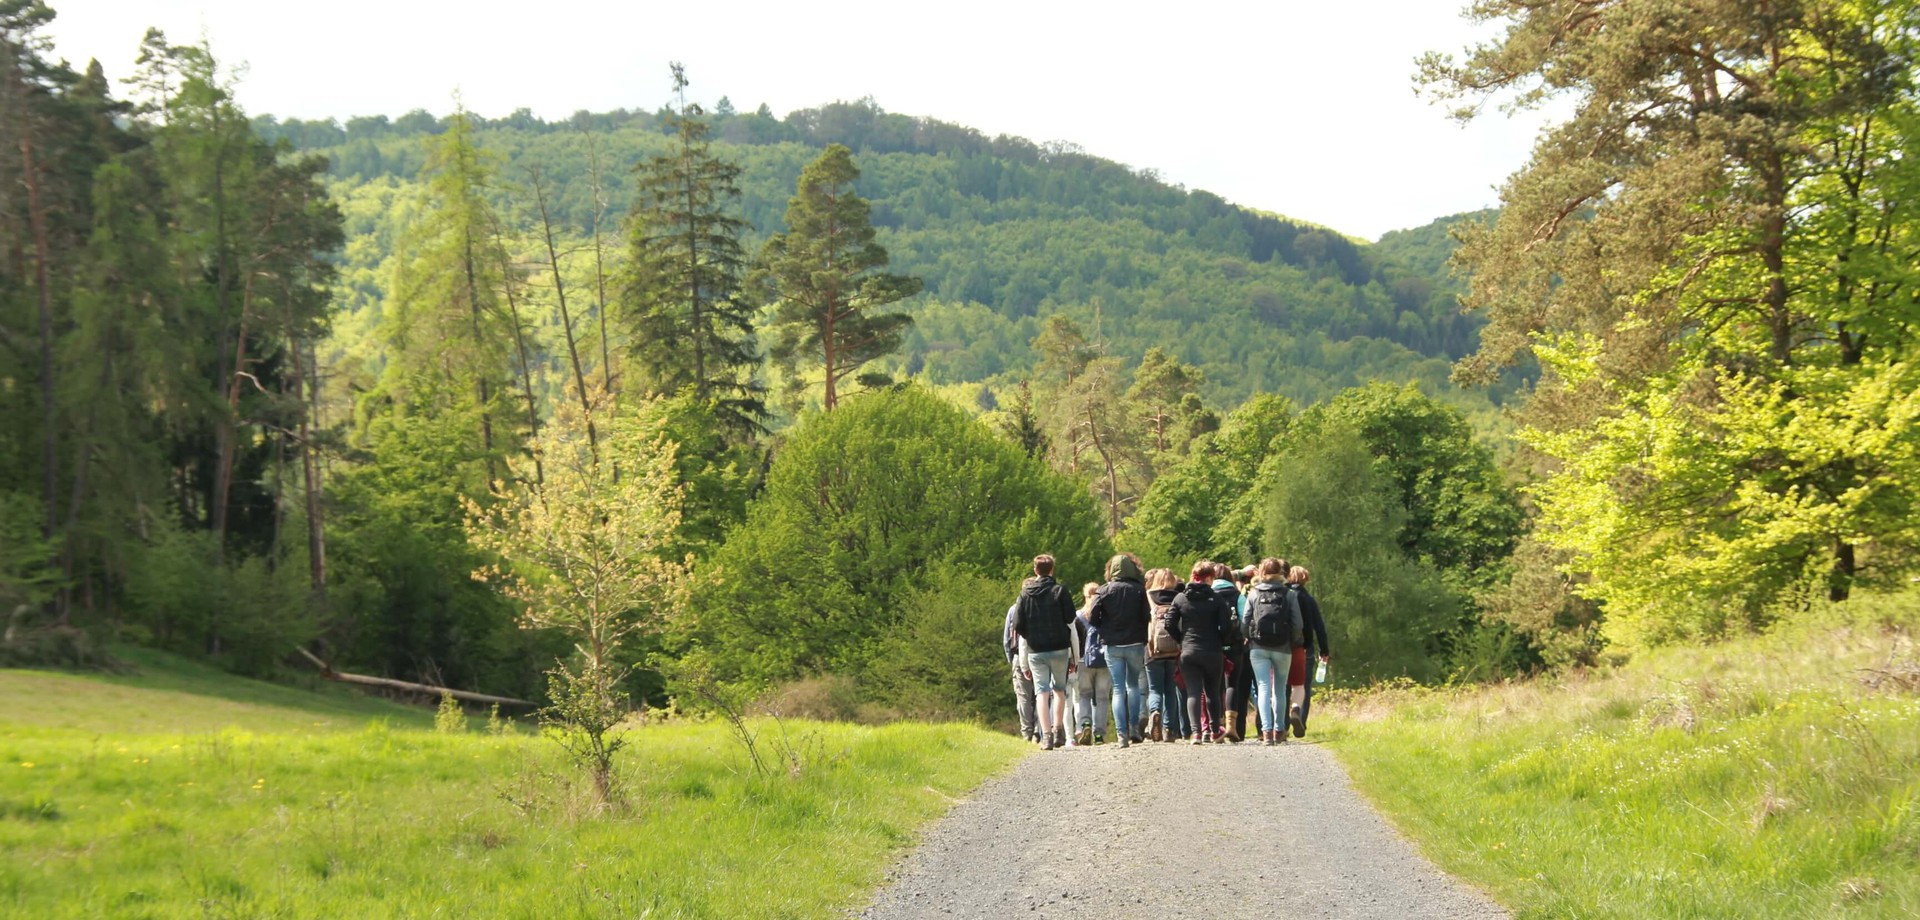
(1302, 108)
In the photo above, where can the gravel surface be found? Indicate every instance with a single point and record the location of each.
(1170, 830)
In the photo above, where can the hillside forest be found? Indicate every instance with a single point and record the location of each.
(702, 396)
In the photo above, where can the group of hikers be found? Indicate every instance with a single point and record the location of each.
(1164, 659)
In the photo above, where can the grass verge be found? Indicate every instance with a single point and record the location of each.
(1773, 776)
(181, 793)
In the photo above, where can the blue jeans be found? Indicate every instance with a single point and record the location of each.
(1126, 662)
(1163, 695)
(1270, 675)
(1049, 672)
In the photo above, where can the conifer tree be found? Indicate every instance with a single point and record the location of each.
(444, 318)
(826, 278)
(689, 329)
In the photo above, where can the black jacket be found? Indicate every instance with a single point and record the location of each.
(1043, 615)
(1200, 620)
(1316, 627)
(1120, 612)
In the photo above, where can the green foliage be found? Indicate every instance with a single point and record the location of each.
(861, 506)
(1331, 509)
(824, 277)
(1460, 515)
(402, 597)
(942, 660)
(26, 579)
(1717, 285)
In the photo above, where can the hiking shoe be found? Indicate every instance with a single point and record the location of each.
(1153, 726)
(1123, 742)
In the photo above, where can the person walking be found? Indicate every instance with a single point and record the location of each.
(1239, 681)
(1043, 616)
(1022, 677)
(1120, 612)
(1092, 684)
(1201, 621)
(1314, 641)
(1166, 713)
(1272, 623)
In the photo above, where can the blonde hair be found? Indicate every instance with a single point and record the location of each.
(1271, 569)
(1086, 594)
(1162, 579)
(1298, 576)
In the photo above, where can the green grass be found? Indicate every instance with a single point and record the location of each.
(180, 792)
(1756, 778)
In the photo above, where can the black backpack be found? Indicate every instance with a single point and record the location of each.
(1276, 617)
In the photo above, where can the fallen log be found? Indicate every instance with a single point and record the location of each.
(408, 686)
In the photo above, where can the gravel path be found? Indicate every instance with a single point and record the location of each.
(1040, 842)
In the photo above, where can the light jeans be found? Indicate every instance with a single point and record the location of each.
(1049, 672)
(1090, 698)
(1127, 662)
(1163, 695)
(1270, 666)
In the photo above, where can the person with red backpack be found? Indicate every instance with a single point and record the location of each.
(1166, 711)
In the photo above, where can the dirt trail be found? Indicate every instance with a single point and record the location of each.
(1168, 830)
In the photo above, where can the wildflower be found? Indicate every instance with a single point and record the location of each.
(26, 764)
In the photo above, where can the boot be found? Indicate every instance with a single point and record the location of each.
(1233, 727)
(1153, 725)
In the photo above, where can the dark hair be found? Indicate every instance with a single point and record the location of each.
(1202, 570)
(1043, 564)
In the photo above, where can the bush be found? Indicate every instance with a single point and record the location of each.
(832, 698)
(861, 504)
(944, 660)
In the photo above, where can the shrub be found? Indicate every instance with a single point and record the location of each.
(861, 504)
(944, 659)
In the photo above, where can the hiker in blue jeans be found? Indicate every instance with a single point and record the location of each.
(1271, 657)
(1166, 708)
(1043, 617)
(1120, 612)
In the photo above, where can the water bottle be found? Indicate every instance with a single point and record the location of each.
(1320, 673)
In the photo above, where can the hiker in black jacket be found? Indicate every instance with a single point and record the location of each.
(1044, 618)
(1301, 691)
(1200, 621)
(1119, 612)
(1239, 678)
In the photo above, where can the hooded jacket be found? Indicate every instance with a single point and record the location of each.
(1199, 620)
(1120, 608)
(1043, 615)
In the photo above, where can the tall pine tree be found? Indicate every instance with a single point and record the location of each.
(825, 278)
(688, 327)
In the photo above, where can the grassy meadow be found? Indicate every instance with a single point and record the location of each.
(1770, 776)
(181, 792)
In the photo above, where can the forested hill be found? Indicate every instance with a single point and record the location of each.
(1003, 231)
